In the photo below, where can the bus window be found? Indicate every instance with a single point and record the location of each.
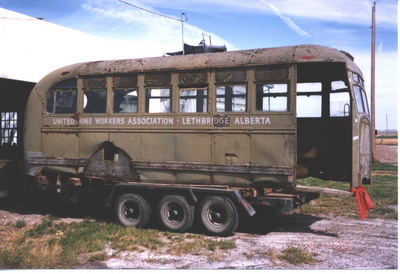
(361, 100)
(193, 100)
(158, 100)
(95, 101)
(62, 97)
(272, 97)
(309, 100)
(231, 98)
(8, 128)
(339, 99)
(125, 101)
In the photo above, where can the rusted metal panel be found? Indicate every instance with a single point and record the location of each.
(110, 162)
(217, 168)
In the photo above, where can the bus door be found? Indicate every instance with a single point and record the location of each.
(361, 134)
(324, 122)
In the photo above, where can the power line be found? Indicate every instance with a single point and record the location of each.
(352, 34)
(150, 11)
(336, 20)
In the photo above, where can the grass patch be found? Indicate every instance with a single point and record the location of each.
(20, 224)
(294, 255)
(197, 245)
(383, 193)
(55, 245)
(297, 255)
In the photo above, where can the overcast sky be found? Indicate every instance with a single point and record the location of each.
(83, 30)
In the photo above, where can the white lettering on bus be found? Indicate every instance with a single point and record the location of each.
(252, 121)
(85, 121)
(109, 121)
(197, 121)
(63, 121)
(151, 121)
(137, 121)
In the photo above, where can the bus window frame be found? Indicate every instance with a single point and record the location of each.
(277, 82)
(147, 99)
(204, 99)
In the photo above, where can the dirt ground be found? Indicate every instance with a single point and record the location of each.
(336, 242)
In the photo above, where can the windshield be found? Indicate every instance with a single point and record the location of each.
(359, 94)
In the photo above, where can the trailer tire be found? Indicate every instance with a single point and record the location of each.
(132, 210)
(175, 213)
(218, 215)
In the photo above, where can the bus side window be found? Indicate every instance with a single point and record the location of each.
(125, 95)
(95, 101)
(193, 91)
(125, 101)
(231, 90)
(339, 99)
(309, 100)
(272, 97)
(231, 98)
(193, 100)
(62, 97)
(158, 100)
(95, 95)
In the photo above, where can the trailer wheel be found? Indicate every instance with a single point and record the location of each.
(218, 215)
(175, 213)
(132, 210)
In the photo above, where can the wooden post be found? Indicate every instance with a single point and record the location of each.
(373, 45)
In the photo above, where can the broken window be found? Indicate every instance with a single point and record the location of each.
(125, 101)
(309, 99)
(62, 97)
(158, 100)
(272, 97)
(193, 100)
(95, 101)
(9, 122)
(191, 79)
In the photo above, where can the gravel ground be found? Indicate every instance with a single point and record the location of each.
(338, 243)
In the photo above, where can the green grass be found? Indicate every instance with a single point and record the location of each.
(383, 192)
(53, 244)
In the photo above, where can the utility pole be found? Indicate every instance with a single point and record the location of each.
(373, 45)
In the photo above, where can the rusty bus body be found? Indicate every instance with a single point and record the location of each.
(240, 125)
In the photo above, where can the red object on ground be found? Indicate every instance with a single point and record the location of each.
(363, 201)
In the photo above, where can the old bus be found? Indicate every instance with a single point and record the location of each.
(208, 136)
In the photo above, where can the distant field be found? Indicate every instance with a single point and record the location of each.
(386, 140)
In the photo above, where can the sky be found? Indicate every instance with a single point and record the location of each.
(86, 30)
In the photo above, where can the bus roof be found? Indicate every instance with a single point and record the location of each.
(253, 57)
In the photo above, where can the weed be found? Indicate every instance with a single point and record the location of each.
(20, 224)
(297, 255)
(40, 229)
